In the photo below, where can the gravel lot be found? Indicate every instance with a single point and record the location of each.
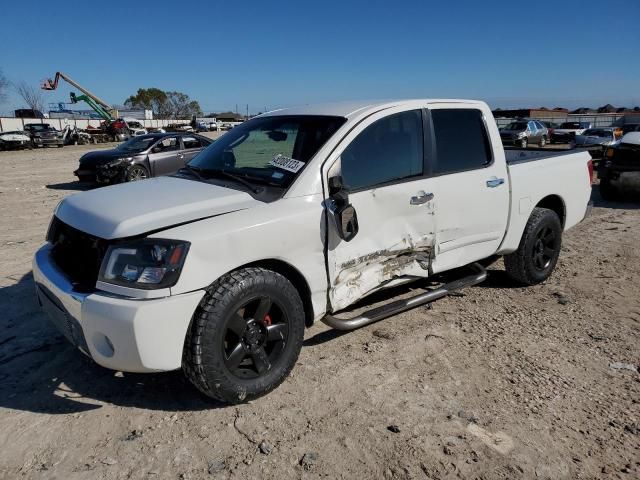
(500, 382)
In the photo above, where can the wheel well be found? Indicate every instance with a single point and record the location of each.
(295, 277)
(554, 203)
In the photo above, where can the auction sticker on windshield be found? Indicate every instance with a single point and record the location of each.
(286, 163)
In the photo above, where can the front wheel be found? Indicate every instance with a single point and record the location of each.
(543, 141)
(245, 336)
(539, 248)
(524, 143)
(135, 173)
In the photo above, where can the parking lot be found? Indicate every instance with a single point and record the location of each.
(498, 382)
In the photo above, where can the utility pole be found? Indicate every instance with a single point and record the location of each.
(247, 117)
(236, 108)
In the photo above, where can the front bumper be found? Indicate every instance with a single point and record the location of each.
(119, 333)
(47, 141)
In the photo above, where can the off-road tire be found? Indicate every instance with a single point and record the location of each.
(608, 191)
(520, 265)
(203, 355)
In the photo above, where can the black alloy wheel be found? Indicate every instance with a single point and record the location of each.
(544, 248)
(255, 337)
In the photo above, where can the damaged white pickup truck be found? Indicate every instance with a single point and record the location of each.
(290, 218)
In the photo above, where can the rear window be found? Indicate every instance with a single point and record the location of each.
(570, 125)
(461, 140)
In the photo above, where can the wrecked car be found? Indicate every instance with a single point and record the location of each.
(140, 157)
(15, 140)
(43, 134)
(619, 169)
(291, 218)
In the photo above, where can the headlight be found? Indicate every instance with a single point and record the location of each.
(147, 264)
(522, 135)
(117, 162)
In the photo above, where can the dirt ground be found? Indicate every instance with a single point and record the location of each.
(501, 382)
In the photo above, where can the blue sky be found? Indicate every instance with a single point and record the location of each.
(280, 53)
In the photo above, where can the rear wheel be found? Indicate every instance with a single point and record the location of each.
(245, 336)
(543, 141)
(135, 173)
(539, 248)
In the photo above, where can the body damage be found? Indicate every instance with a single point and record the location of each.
(360, 276)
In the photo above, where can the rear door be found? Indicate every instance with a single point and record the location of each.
(163, 156)
(470, 185)
(192, 145)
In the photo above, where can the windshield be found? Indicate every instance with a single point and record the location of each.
(135, 124)
(630, 127)
(597, 132)
(516, 126)
(137, 144)
(269, 150)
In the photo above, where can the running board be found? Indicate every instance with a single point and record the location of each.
(393, 308)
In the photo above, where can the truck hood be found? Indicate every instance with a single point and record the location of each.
(130, 209)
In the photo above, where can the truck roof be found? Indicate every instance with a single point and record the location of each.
(352, 108)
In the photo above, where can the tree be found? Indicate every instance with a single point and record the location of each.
(31, 95)
(182, 106)
(164, 104)
(150, 99)
(4, 85)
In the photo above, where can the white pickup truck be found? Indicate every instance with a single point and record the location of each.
(290, 218)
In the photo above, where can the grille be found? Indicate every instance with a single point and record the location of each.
(77, 254)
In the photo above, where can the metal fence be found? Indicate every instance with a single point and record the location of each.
(595, 119)
(9, 124)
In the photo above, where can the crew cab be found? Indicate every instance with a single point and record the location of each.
(291, 218)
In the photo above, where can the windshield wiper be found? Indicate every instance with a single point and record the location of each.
(224, 173)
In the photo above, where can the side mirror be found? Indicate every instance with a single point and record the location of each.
(348, 223)
(343, 214)
(156, 149)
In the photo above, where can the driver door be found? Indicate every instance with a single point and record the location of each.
(382, 169)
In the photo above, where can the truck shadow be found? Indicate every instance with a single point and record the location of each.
(629, 200)
(74, 186)
(41, 372)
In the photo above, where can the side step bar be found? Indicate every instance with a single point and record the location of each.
(478, 276)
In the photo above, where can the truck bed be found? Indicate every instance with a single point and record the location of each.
(521, 155)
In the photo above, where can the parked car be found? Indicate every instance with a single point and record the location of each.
(293, 217)
(550, 126)
(15, 140)
(567, 131)
(596, 139)
(620, 168)
(201, 127)
(630, 127)
(135, 127)
(43, 134)
(523, 133)
(140, 157)
(213, 126)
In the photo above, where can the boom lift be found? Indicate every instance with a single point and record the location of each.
(106, 111)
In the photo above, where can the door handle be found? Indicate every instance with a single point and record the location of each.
(421, 198)
(495, 182)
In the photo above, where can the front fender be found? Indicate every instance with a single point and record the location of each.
(288, 230)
